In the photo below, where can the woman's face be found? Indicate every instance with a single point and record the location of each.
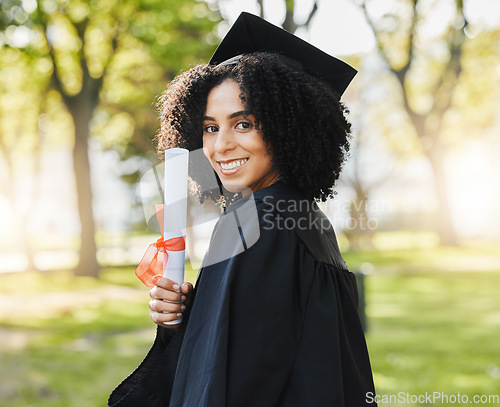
(232, 144)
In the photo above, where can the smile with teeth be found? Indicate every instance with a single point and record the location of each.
(232, 164)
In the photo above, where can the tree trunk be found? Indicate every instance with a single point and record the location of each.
(442, 96)
(81, 109)
(359, 231)
(27, 248)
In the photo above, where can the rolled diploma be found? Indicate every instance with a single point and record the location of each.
(176, 174)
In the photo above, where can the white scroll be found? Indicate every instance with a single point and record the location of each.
(175, 211)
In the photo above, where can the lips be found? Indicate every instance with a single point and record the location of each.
(229, 167)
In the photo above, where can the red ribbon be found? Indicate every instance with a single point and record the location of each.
(150, 265)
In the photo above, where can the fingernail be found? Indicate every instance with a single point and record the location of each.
(179, 314)
(156, 279)
(176, 286)
(183, 307)
(183, 298)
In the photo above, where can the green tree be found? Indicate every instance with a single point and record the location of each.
(432, 70)
(99, 53)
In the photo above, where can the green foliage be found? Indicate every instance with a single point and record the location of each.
(91, 69)
(129, 49)
(475, 106)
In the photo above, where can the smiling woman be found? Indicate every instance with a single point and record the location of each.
(272, 321)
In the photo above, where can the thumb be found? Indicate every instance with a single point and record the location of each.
(186, 287)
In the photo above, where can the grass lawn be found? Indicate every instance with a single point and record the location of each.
(435, 332)
(429, 330)
(434, 322)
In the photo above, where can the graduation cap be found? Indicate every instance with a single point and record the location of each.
(250, 33)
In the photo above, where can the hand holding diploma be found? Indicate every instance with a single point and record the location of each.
(167, 303)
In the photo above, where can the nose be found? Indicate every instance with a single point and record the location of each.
(224, 141)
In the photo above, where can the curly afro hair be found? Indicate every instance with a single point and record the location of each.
(300, 116)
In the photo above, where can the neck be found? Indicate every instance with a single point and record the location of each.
(270, 180)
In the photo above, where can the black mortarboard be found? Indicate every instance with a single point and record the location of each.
(250, 33)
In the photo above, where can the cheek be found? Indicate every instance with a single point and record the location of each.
(267, 159)
(206, 149)
(261, 150)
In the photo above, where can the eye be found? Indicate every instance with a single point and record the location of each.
(210, 129)
(244, 125)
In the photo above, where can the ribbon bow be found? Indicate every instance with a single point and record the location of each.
(148, 266)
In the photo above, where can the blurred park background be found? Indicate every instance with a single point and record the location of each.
(416, 209)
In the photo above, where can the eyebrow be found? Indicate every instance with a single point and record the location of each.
(240, 113)
(231, 116)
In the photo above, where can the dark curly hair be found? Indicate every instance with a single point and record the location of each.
(300, 116)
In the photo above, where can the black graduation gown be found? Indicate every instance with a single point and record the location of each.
(273, 321)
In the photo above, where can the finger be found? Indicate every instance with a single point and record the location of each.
(186, 287)
(167, 284)
(163, 306)
(160, 318)
(158, 293)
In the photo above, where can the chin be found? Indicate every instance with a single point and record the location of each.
(232, 185)
(234, 188)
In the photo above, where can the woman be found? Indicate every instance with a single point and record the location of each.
(273, 318)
